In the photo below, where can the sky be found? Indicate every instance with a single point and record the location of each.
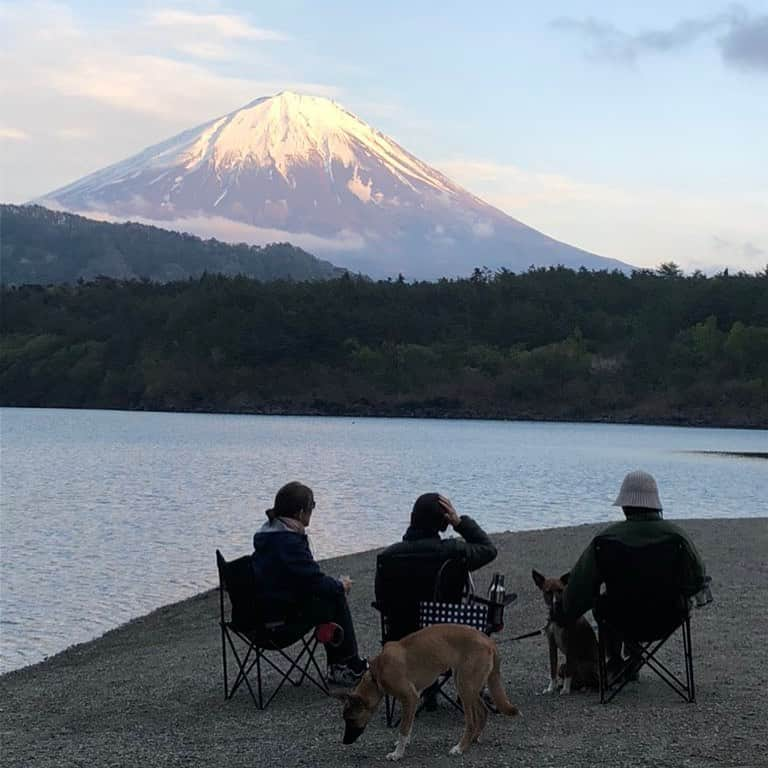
(637, 131)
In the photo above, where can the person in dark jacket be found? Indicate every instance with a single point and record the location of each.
(290, 584)
(640, 502)
(431, 515)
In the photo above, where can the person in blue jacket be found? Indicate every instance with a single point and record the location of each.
(290, 584)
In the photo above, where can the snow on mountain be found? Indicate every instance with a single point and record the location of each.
(302, 169)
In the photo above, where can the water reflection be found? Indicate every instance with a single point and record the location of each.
(106, 515)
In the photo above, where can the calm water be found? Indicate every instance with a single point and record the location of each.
(106, 514)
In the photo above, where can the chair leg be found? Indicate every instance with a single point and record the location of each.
(602, 671)
(224, 658)
(688, 650)
(258, 678)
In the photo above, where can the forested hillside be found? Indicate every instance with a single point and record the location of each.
(38, 245)
(549, 343)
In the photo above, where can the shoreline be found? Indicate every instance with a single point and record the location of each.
(426, 413)
(150, 691)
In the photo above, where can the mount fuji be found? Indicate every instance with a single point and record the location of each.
(302, 169)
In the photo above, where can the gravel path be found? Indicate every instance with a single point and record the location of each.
(150, 694)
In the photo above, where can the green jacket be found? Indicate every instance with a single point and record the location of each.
(641, 528)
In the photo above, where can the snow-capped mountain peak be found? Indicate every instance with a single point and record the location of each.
(292, 129)
(301, 168)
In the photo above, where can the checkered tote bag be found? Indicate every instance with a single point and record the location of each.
(472, 614)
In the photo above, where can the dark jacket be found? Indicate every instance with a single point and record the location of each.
(285, 573)
(474, 544)
(641, 528)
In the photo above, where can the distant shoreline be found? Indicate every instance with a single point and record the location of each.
(429, 413)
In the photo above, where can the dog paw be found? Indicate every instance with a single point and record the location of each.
(455, 750)
(551, 688)
(394, 755)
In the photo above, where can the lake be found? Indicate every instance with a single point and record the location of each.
(109, 514)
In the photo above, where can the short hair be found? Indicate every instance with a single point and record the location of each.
(291, 500)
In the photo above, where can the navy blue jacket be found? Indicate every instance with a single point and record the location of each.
(285, 573)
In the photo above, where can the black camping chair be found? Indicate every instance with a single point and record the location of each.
(420, 588)
(642, 606)
(248, 637)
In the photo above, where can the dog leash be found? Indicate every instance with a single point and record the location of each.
(522, 637)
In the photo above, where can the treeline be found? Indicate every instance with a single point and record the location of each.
(38, 245)
(549, 343)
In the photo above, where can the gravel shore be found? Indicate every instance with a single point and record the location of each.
(150, 692)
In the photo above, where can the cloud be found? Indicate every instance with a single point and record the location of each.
(72, 134)
(483, 229)
(13, 134)
(229, 231)
(136, 67)
(743, 43)
(518, 188)
(227, 26)
(744, 251)
(638, 225)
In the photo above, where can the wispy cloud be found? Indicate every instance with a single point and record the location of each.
(72, 134)
(741, 37)
(745, 44)
(228, 26)
(13, 134)
(230, 231)
(639, 225)
(137, 67)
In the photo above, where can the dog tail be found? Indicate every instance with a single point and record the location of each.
(496, 688)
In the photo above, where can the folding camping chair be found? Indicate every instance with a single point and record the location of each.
(414, 590)
(642, 606)
(248, 637)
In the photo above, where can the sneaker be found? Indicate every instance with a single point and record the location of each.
(346, 675)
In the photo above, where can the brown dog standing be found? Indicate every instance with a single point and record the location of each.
(576, 641)
(405, 668)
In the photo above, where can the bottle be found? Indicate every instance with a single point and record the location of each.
(496, 597)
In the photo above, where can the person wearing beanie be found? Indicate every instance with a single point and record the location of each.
(643, 524)
(431, 515)
(290, 584)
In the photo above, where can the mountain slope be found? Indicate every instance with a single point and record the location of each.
(42, 246)
(301, 168)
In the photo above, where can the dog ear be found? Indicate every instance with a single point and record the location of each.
(538, 579)
(564, 578)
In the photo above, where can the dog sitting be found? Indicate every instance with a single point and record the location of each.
(576, 641)
(406, 667)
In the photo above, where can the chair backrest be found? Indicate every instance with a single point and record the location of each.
(643, 586)
(236, 578)
(405, 579)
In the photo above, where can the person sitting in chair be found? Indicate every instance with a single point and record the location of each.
(431, 515)
(292, 586)
(640, 502)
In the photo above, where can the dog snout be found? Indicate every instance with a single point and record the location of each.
(352, 733)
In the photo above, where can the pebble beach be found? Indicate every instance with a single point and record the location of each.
(150, 692)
